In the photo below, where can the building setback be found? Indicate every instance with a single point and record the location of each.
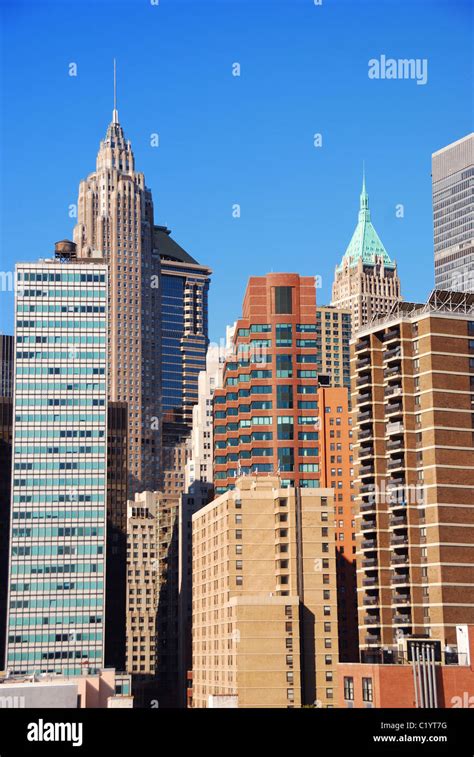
(453, 210)
(264, 597)
(366, 282)
(413, 384)
(58, 514)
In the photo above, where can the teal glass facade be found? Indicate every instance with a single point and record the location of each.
(58, 516)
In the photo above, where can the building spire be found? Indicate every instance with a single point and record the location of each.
(115, 119)
(364, 197)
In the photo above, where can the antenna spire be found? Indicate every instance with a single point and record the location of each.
(115, 119)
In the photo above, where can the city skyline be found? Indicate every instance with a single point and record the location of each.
(218, 146)
(237, 408)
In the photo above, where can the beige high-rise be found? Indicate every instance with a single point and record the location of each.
(366, 282)
(413, 383)
(115, 221)
(264, 597)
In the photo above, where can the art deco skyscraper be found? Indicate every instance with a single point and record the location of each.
(115, 220)
(366, 281)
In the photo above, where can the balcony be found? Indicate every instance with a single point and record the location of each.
(370, 581)
(395, 390)
(364, 417)
(395, 484)
(367, 506)
(369, 544)
(394, 428)
(395, 463)
(401, 599)
(366, 470)
(365, 433)
(366, 451)
(393, 353)
(401, 578)
(370, 600)
(370, 562)
(367, 488)
(394, 408)
(372, 638)
(365, 379)
(399, 559)
(363, 362)
(391, 334)
(372, 620)
(398, 520)
(393, 370)
(404, 620)
(364, 397)
(399, 540)
(394, 444)
(368, 525)
(364, 344)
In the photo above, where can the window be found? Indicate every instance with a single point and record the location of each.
(284, 396)
(348, 688)
(283, 334)
(283, 366)
(285, 458)
(283, 300)
(367, 691)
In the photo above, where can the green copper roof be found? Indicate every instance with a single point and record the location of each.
(365, 243)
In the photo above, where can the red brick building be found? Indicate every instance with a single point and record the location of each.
(272, 415)
(447, 682)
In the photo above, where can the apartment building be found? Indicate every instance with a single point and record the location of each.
(334, 327)
(264, 597)
(413, 384)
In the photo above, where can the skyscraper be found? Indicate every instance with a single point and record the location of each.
(366, 281)
(413, 379)
(184, 324)
(266, 415)
(6, 365)
(115, 220)
(264, 597)
(58, 514)
(453, 211)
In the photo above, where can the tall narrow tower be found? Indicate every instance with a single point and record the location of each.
(115, 221)
(366, 282)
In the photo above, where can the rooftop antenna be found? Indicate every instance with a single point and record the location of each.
(115, 112)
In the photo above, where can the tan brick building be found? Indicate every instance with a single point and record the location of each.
(413, 384)
(264, 597)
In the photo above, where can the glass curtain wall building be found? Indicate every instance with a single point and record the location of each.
(58, 519)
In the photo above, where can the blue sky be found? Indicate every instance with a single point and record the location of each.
(226, 139)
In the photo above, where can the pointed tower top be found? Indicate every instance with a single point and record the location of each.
(365, 244)
(115, 119)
